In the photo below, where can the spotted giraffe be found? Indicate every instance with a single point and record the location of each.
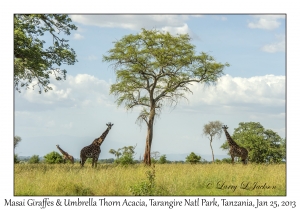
(93, 150)
(66, 155)
(235, 150)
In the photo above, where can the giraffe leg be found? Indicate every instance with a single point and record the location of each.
(83, 159)
(95, 160)
(232, 159)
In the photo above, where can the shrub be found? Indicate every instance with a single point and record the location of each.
(193, 158)
(162, 159)
(34, 159)
(53, 157)
(126, 159)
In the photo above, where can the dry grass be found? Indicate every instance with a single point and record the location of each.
(170, 179)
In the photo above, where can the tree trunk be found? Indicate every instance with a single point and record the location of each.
(147, 156)
(212, 151)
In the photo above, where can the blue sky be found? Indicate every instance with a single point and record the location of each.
(75, 112)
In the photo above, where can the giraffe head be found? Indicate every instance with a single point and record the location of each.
(224, 127)
(109, 125)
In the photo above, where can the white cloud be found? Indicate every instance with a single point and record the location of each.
(266, 90)
(78, 36)
(177, 30)
(81, 90)
(171, 23)
(268, 22)
(278, 46)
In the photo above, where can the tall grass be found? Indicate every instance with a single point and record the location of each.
(170, 179)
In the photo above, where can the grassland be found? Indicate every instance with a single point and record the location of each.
(166, 179)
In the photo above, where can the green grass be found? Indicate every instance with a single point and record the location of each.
(169, 179)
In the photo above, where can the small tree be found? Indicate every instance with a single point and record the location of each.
(53, 157)
(193, 158)
(154, 156)
(126, 153)
(212, 130)
(162, 159)
(34, 159)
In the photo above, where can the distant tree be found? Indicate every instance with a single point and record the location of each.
(155, 155)
(34, 159)
(53, 157)
(212, 130)
(193, 158)
(16, 159)
(263, 145)
(32, 61)
(155, 69)
(17, 140)
(162, 159)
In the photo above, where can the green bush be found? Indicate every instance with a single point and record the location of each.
(193, 158)
(162, 159)
(53, 157)
(34, 159)
(126, 159)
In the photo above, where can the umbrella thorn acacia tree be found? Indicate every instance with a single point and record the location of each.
(154, 69)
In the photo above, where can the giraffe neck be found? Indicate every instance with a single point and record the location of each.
(229, 139)
(100, 140)
(60, 149)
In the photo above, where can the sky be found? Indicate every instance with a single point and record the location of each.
(75, 112)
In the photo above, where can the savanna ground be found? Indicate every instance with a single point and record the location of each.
(163, 179)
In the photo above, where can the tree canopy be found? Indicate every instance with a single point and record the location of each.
(154, 69)
(263, 145)
(212, 130)
(33, 62)
(17, 140)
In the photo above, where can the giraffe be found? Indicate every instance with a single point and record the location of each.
(235, 150)
(93, 150)
(65, 155)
